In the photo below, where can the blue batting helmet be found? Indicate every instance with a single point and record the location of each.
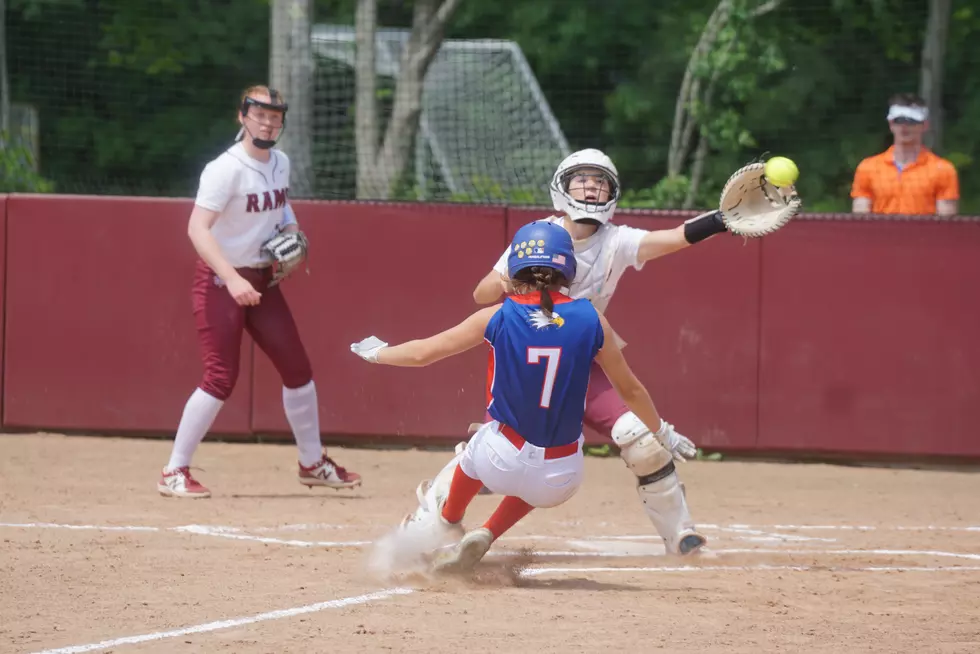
(542, 243)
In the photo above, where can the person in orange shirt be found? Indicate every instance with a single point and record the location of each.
(907, 178)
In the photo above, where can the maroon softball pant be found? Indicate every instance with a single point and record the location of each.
(603, 406)
(220, 322)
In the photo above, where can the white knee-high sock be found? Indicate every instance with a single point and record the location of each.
(304, 419)
(199, 414)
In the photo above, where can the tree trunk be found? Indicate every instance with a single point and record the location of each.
(379, 172)
(685, 124)
(291, 73)
(931, 72)
(680, 137)
(701, 153)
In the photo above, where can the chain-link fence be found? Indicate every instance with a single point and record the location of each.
(115, 97)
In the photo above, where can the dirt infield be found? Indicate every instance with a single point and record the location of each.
(802, 558)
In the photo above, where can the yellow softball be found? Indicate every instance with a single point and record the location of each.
(781, 171)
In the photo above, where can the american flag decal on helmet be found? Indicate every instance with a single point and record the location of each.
(559, 259)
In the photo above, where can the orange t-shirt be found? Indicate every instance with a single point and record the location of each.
(912, 190)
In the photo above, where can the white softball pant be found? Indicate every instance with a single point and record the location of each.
(512, 466)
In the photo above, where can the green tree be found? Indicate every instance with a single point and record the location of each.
(135, 97)
(18, 168)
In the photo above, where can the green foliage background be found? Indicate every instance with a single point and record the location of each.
(134, 97)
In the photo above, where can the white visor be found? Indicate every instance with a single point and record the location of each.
(918, 114)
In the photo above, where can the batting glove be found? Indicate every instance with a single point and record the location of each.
(680, 446)
(369, 348)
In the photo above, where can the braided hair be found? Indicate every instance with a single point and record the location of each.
(543, 279)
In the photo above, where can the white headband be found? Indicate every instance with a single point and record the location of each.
(918, 114)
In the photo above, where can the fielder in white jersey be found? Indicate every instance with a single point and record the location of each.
(242, 203)
(585, 190)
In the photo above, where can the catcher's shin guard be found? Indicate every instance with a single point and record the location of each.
(657, 485)
(665, 504)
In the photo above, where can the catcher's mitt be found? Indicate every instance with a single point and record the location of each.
(288, 250)
(752, 207)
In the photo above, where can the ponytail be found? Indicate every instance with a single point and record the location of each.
(543, 280)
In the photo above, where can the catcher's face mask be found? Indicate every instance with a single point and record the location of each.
(586, 187)
(263, 120)
(589, 185)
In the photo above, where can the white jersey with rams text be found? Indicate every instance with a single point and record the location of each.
(251, 197)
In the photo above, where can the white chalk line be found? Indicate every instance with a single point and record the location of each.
(741, 528)
(51, 525)
(853, 527)
(851, 552)
(300, 527)
(234, 622)
(201, 530)
(234, 533)
(205, 530)
(536, 572)
(716, 552)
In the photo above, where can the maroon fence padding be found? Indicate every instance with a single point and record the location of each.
(869, 340)
(853, 337)
(690, 320)
(100, 334)
(398, 272)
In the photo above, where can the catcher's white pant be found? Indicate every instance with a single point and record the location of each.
(522, 472)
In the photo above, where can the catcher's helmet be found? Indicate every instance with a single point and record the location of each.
(585, 211)
(542, 243)
(275, 103)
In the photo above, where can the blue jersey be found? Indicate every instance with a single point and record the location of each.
(539, 368)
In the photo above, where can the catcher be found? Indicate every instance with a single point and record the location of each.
(585, 190)
(248, 240)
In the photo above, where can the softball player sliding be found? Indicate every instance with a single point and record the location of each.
(241, 204)
(543, 345)
(585, 190)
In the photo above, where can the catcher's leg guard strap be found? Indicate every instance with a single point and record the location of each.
(657, 484)
(701, 227)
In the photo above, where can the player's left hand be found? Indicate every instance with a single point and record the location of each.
(680, 446)
(369, 348)
(684, 447)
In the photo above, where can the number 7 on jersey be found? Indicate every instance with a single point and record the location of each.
(553, 356)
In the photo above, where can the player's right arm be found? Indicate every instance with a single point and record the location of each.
(610, 358)
(213, 194)
(426, 351)
(199, 231)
